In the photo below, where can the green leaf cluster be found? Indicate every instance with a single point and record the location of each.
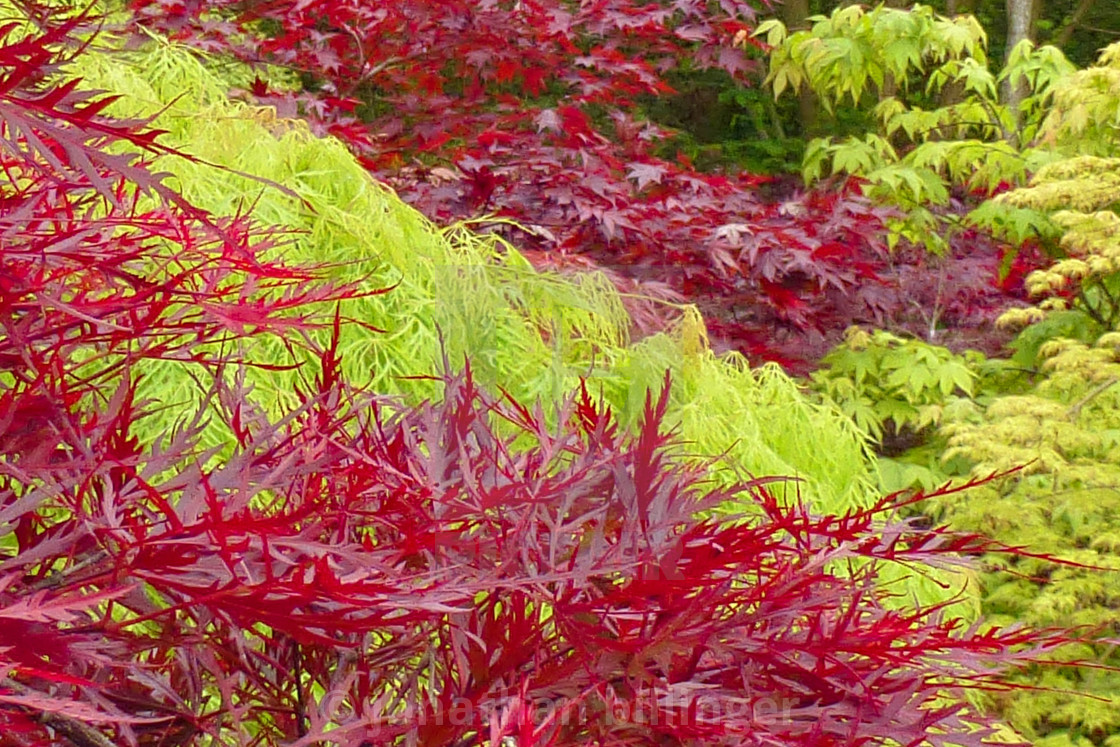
(939, 122)
(1057, 420)
(883, 381)
(896, 389)
(1086, 108)
(854, 49)
(1080, 196)
(1056, 427)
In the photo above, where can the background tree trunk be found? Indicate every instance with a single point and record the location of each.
(1022, 15)
(960, 7)
(1022, 18)
(953, 92)
(795, 14)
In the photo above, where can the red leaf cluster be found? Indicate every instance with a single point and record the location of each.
(357, 575)
(531, 111)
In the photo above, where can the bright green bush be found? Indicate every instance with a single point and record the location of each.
(883, 381)
(1064, 502)
(1057, 419)
(459, 294)
(1059, 426)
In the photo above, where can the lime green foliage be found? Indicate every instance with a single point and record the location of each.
(1046, 429)
(1064, 502)
(1072, 198)
(1063, 423)
(844, 54)
(935, 103)
(1081, 196)
(1086, 108)
(533, 334)
(898, 388)
(880, 379)
(1054, 408)
(897, 391)
(761, 412)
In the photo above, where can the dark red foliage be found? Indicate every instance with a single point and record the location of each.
(527, 111)
(954, 300)
(79, 256)
(368, 576)
(89, 285)
(362, 573)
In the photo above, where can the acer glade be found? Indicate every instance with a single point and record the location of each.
(356, 570)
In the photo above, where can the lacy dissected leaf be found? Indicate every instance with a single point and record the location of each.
(417, 575)
(533, 333)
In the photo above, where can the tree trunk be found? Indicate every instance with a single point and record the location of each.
(1022, 17)
(795, 15)
(953, 92)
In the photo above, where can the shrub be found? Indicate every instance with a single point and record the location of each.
(1054, 414)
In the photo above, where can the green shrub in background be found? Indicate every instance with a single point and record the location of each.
(886, 382)
(936, 118)
(1064, 502)
(1066, 426)
(1052, 411)
(897, 390)
(1059, 424)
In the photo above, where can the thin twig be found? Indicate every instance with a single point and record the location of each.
(1113, 307)
(1076, 409)
(301, 706)
(57, 579)
(1089, 309)
(1065, 33)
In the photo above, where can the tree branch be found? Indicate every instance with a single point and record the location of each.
(66, 576)
(1065, 33)
(1075, 410)
(78, 733)
(1089, 309)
